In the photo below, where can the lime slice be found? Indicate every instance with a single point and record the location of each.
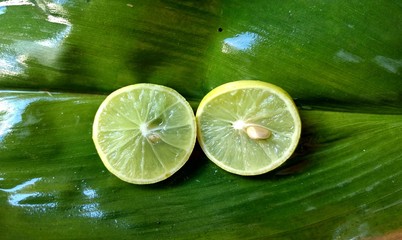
(144, 133)
(248, 127)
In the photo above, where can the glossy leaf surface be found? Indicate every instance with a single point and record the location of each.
(340, 60)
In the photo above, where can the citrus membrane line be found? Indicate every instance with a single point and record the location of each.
(126, 117)
(142, 162)
(120, 165)
(280, 132)
(244, 151)
(221, 133)
(166, 110)
(227, 112)
(172, 145)
(229, 122)
(152, 103)
(127, 163)
(158, 157)
(138, 114)
(267, 151)
(227, 159)
(149, 104)
(225, 131)
(272, 115)
(120, 129)
(165, 128)
(120, 144)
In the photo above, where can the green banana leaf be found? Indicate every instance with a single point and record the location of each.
(340, 60)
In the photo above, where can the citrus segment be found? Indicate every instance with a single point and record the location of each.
(248, 127)
(144, 132)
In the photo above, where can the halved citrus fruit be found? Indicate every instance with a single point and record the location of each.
(144, 132)
(248, 127)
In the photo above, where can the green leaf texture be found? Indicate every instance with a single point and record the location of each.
(340, 60)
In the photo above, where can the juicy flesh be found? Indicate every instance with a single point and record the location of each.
(224, 128)
(144, 134)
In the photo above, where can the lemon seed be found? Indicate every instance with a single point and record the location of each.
(258, 132)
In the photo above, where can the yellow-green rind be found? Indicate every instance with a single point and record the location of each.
(244, 84)
(101, 152)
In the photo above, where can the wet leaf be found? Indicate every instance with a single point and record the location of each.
(340, 60)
